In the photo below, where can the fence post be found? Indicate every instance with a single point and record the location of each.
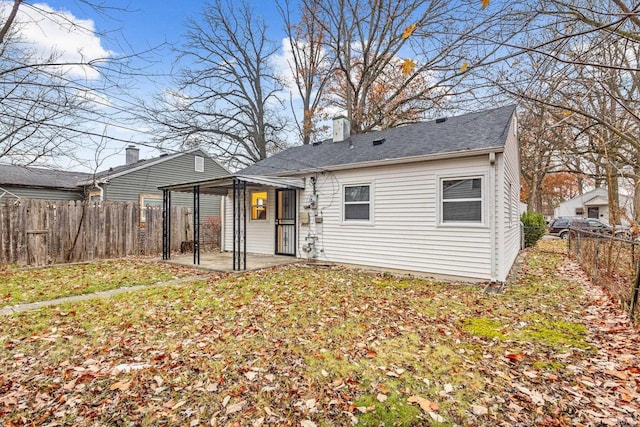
(595, 272)
(577, 244)
(634, 295)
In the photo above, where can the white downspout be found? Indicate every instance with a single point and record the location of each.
(97, 185)
(492, 213)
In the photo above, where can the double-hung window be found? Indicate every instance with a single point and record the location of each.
(461, 200)
(357, 203)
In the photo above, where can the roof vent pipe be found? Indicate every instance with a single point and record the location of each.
(441, 120)
(341, 128)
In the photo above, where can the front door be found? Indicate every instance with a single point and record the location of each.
(286, 222)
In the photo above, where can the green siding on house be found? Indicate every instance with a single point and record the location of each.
(129, 186)
(40, 193)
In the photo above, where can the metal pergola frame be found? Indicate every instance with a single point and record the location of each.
(237, 184)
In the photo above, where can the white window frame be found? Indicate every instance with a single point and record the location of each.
(199, 164)
(143, 211)
(343, 210)
(483, 197)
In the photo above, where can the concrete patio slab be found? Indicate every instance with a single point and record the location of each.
(223, 261)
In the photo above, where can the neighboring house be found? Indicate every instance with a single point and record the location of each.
(138, 180)
(135, 181)
(20, 182)
(438, 197)
(595, 204)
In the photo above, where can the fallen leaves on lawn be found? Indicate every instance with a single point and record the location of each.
(314, 346)
(479, 410)
(517, 357)
(120, 385)
(426, 404)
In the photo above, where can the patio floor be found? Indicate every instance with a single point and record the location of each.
(223, 261)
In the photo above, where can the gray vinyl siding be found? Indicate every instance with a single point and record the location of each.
(130, 186)
(405, 231)
(509, 226)
(41, 193)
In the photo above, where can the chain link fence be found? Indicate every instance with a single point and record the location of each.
(611, 262)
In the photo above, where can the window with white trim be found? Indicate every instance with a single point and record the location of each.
(461, 200)
(199, 164)
(357, 203)
(148, 200)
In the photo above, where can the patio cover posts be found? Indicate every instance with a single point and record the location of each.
(236, 185)
(239, 189)
(239, 224)
(166, 224)
(196, 224)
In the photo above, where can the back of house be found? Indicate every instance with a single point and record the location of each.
(439, 197)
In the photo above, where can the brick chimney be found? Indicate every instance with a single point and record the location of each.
(341, 128)
(133, 154)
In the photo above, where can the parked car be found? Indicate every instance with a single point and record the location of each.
(560, 227)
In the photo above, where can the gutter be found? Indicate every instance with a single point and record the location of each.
(97, 185)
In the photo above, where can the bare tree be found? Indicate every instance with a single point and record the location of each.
(433, 43)
(227, 97)
(50, 104)
(310, 64)
(39, 106)
(577, 60)
(538, 152)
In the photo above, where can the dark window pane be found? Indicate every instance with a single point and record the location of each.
(462, 189)
(561, 223)
(359, 211)
(358, 193)
(462, 211)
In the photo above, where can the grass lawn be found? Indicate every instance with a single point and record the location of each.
(303, 347)
(18, 286)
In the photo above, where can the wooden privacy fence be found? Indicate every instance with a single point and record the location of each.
(39, 232)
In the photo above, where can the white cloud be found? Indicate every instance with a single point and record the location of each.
(58, 32)
(282, 66)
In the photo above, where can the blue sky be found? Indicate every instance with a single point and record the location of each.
(148, 23)
(130, 27)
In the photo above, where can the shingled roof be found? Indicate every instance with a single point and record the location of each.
(40, 177)
(465, 133)
(27, 176)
